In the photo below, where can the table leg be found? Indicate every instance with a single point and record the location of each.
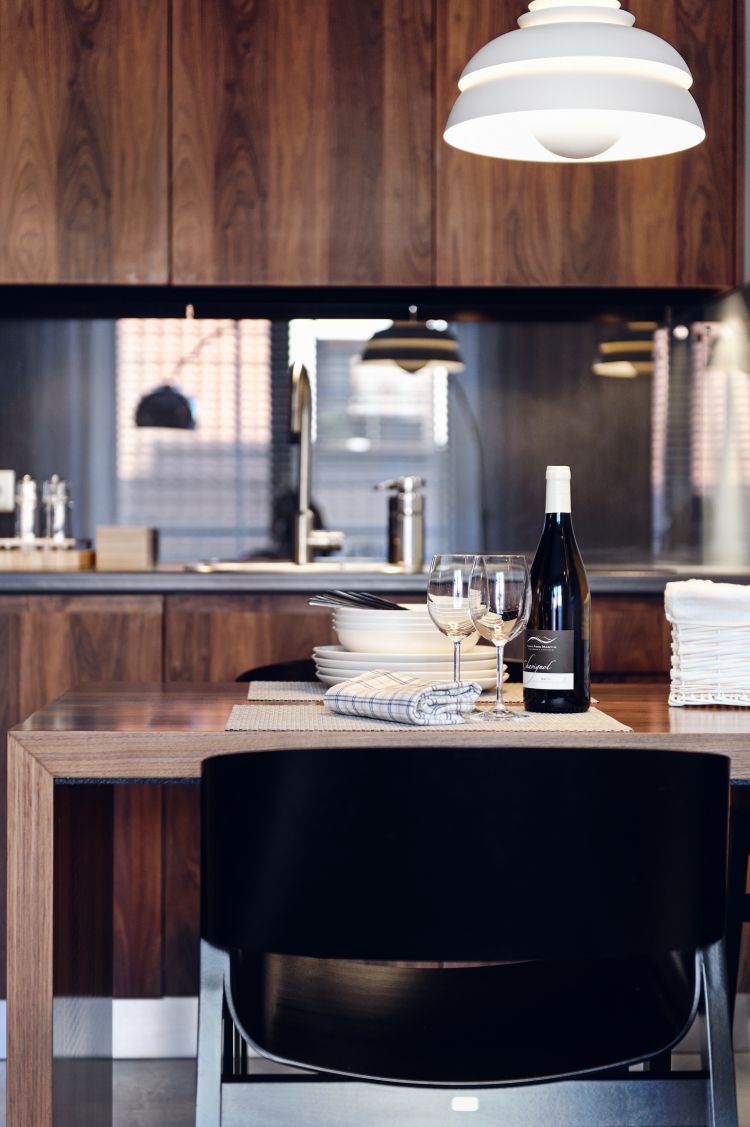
(59, 948)
(30, 939)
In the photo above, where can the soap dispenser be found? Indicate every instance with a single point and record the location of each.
(405, 522)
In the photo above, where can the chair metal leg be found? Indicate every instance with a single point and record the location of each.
(722, 1094)
(214, 967)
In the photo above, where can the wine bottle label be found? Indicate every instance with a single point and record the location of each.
(548, 662)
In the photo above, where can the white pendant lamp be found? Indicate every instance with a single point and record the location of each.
(576, 83)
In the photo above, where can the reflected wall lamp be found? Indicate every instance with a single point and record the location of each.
(166, 406)
(412, 345)
(576, 83)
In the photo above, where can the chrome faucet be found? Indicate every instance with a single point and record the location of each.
(306, 538)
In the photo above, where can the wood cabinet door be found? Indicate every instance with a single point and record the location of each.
(83, 133)
(630, 636)
(302, 142)
(671, 221)
(218, 637)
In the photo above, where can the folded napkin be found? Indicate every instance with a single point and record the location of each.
(382, 695)
(700, 602)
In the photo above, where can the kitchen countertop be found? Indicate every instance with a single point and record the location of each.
(603, 580)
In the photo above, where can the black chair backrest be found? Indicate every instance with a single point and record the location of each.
(464, 853)
(303, 670)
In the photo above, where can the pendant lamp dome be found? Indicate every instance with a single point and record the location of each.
(576, 83)
(412, 345)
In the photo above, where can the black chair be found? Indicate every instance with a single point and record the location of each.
(592, 881)
(303, 670)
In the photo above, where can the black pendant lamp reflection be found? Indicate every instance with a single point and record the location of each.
(414, 345)
(166, 407)
(628, 353)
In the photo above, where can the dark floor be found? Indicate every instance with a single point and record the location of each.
(160, 1093)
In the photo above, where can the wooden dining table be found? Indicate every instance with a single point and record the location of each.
(59, 937)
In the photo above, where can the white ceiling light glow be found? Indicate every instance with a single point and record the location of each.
(577, 82)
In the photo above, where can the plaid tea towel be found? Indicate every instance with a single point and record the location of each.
(381, 695)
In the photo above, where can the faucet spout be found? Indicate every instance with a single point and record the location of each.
(306, 537)
(300, 431)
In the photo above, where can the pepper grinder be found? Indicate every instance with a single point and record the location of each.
(405, 522)
(57, 506)
(26, 508)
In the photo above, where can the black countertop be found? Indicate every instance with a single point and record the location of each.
(635, 580)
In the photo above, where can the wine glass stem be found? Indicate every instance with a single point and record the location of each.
(499, 706)
(457, 660)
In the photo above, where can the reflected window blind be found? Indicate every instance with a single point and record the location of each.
(207, 491)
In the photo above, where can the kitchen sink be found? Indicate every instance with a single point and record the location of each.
(322, 567)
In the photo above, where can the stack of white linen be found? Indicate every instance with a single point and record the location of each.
(710, 642)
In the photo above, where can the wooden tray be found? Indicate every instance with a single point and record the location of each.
(47, 559)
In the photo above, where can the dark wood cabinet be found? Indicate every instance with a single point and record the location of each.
(218, 637)
(83, 132)
(302, 142)
(629, 637)
(671, 221)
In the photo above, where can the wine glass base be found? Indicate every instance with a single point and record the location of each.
(507, 716)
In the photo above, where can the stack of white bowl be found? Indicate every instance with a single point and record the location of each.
(407, 642)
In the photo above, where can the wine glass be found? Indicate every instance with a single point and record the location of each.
(499, 603)
(448, 601)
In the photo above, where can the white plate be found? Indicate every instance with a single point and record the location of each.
(400, 641)
(415, 670)
(338, 654)
(483, 679)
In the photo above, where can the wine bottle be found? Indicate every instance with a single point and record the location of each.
(556, 660)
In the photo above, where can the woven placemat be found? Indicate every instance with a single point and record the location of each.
(314, 691)
(314, 717)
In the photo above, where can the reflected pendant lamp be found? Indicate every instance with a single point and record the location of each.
(413, 345)
(576, 83)
(629, 353)
(166, 407)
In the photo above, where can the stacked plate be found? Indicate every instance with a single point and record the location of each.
(407, 643)
(387, 632)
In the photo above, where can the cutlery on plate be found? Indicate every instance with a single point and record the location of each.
(358, 599)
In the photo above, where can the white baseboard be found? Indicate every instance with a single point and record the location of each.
(167, 1028)
(154, 1027)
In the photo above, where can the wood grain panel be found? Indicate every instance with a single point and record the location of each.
(302, 142)
(629, 635)
(83, 181)
(138, 887)
(83, 891)
(215, 638)
(181, 889)
(672, 221)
